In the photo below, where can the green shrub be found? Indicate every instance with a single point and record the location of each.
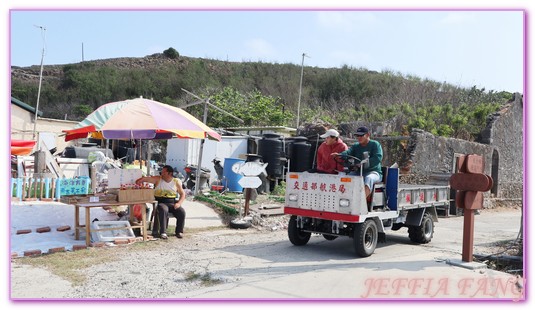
(171, 53)
(279, 189)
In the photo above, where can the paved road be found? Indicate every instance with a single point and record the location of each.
(238, 264)
(398, 269)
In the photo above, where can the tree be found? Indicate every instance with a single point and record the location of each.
(253, 108)
(171, 53)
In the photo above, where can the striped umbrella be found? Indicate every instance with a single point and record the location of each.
(141, 118)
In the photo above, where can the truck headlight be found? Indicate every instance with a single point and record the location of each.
(292, 197)
(344, 203)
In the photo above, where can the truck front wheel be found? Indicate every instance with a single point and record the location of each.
(365, 238)
(296, 235)
(424, 232)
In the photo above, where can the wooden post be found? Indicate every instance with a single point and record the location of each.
(470, 182)
(468, 235)
(247, 199)
(39, 162)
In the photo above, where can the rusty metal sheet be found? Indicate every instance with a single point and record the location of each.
(471, 182)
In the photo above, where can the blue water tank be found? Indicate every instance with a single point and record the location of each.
(230, 178)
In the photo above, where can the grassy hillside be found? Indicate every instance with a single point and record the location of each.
(329, 95)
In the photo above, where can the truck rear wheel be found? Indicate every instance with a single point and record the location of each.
(423, 233)
(365, 238)
(296, 235)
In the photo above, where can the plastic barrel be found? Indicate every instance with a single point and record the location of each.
(230, 178)
(288, 146)
(271, 149)
(300, 155)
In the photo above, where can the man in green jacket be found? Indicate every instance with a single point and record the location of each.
(370, 153)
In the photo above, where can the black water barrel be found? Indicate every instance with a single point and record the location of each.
(300, 159)
(287, 146)
(270, 147)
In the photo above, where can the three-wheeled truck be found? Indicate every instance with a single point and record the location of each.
(335, 205)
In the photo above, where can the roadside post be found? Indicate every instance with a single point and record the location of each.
(250, 171)
(470, 183)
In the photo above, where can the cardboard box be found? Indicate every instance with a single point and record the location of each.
(128, 195)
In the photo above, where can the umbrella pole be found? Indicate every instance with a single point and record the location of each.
(140, 161)
(149, 154)
(106, 147)
(198, 177)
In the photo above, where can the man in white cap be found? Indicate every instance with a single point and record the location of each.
(332, 144)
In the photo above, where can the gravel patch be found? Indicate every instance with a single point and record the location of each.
(160, 269)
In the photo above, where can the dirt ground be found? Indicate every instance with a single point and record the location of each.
(175, 264)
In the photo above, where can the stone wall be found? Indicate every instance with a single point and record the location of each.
(505, 132)
(430, 154)
(501, 146)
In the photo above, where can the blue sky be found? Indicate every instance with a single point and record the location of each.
(461, 47)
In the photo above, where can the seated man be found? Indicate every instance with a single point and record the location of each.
(369, 151)
(332, 144)
(166, 190)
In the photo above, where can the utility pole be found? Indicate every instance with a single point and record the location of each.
(43, 31)
(205, 119)
(300, 89)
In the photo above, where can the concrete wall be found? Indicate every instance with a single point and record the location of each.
(22, 122)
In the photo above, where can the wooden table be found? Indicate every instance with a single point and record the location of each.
(87, 226)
